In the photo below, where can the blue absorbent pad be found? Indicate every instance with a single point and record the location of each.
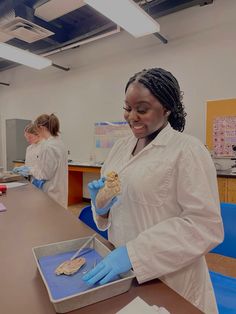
(225, 292)
(62, 286)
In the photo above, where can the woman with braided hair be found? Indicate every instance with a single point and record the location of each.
(167, 216)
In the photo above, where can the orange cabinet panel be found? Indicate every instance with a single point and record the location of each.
(231, 196)
(222, 187)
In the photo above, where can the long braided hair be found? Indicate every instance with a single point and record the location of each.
(164, 86)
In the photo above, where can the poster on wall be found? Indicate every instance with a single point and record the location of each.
(224, 136)
(107, 133)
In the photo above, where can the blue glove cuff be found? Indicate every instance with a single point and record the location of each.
(105, 210)
(124, 252)
(38, 183)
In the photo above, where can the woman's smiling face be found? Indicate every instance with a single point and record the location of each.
(144, 113)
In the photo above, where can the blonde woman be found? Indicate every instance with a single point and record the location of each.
(33, 150)
(51, 170)
(35, 140)
(52, 165)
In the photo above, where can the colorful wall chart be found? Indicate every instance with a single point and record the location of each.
(107, 133)
(221, 126)
(224, 136)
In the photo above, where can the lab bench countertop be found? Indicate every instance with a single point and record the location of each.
(71, 163)
(76, 170)
(33, 219)
(226, 173)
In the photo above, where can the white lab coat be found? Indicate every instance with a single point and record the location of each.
(168, 213)
(32, 154)
(52, 166)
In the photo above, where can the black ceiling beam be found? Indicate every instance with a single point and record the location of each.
(90, 30)
(101, 30)
(157, 9)
(35, 3)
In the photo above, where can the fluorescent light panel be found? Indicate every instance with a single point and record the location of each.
(55, 8)
(23, 57)
(128, 15)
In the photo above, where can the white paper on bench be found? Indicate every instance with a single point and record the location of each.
(139, 306)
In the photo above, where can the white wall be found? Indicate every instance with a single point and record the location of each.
(201, 53)
(1, 144)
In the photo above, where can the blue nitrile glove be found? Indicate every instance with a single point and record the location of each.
(22, 170)
(38, 183)
(93, 188)
(115, 263)
(18, 169)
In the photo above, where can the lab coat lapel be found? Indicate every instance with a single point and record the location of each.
(161, 140)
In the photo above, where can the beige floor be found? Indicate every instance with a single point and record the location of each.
(222, 264)
(76, 209)
(218, 263)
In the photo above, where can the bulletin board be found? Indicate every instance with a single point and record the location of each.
(107, 133)
(221, 127)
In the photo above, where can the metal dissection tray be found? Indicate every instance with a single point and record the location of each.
(63, 304)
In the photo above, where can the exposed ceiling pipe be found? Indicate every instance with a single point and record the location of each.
(60, 67)
(143, 2)
(5, 84)
(162, 38)
(82, 42)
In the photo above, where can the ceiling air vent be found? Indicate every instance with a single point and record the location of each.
(25, 30)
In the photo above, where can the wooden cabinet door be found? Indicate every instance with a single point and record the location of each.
(222, 187)
(18, 164)
(231, 197)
